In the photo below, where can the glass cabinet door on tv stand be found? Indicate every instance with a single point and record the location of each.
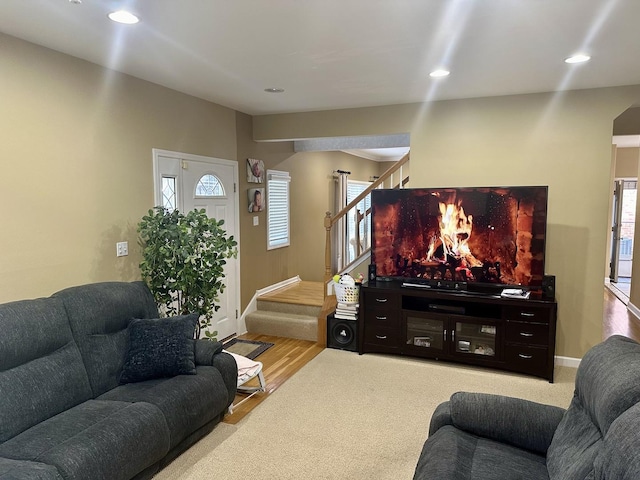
(425, 333)
(475, 337)
(441, 335)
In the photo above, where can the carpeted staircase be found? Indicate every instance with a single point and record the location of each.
(284, 320)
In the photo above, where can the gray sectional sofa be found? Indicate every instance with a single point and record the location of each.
(493, 437)
(64, 414)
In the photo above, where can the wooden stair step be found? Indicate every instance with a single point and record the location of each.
(293, 308)
(283, 324)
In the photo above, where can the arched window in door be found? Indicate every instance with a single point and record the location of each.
(209, 186)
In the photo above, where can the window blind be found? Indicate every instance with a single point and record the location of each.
(278, 217)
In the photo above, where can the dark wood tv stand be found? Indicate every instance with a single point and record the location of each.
(473, 328)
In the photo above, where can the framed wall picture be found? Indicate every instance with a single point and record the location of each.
(255, 170)
(256, 199)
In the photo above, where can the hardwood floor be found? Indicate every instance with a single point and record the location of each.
(617, 320)
(302, 293)
(279, 363)
(288, 355)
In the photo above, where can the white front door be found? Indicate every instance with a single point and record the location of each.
(210, 184)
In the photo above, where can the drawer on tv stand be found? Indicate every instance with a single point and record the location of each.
(528, 333)
(377, 299)
(382, 336)
(526, 314)
(382, 317)
(527, 359)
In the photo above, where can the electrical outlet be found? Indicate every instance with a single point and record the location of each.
(256, 221)
(122, 249)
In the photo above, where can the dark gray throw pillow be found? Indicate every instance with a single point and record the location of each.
(161, 347)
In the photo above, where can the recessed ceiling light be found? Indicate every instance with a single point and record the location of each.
(274, 90)
(579, 58)
(122, 16)
(439, 73)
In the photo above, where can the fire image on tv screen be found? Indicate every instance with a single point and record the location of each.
(488, 235)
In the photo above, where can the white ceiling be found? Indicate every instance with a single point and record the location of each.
(330, 54)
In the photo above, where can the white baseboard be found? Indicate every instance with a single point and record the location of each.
(567, 361)
(279, 285)
(253, 303)
(634, 310)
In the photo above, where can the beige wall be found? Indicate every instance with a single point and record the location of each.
(258, 268)
(628, 123)
(397, 176)
(627, 160)
(75, 150)
(631, 158)
(559, 140)
(312, 194)
(612, 171)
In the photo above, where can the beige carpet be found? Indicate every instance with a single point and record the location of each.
(349, 416)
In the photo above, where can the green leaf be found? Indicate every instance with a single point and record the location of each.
(183, 261)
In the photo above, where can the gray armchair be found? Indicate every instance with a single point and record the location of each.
(490, 437)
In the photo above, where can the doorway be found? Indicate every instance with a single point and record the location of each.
(624, 213)
(185, 182)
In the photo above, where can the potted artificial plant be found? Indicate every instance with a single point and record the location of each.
(183, 259)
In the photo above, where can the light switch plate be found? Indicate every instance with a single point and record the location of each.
(256, 221)
(122, 249)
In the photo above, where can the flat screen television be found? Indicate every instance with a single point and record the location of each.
(477, 237)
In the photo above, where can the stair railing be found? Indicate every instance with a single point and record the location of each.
(330, 221)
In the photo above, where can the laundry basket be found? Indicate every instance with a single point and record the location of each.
(347, 293)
